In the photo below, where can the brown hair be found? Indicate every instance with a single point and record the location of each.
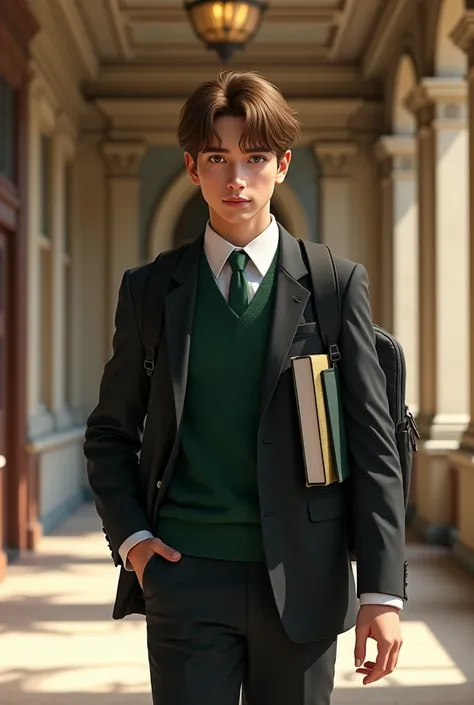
(270, 122)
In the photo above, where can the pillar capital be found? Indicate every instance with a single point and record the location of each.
(463, 33)
(123, 158)
(335, 158)
(440, 101)
(397, 155)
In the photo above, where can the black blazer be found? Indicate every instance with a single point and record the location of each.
(305, 529)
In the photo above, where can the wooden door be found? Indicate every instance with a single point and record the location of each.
(3, 397)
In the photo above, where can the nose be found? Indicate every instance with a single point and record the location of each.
(236, 182)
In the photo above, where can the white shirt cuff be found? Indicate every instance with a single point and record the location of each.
(378, 598)
(129, 543)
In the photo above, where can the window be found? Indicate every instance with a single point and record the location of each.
(67, 285)
(7, 130)
(45, 275)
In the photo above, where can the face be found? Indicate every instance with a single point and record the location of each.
(237, 185)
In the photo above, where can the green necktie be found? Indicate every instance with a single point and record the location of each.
(239, 291)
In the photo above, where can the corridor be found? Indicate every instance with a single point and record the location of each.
(59, 645)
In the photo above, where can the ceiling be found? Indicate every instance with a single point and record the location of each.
(294, 32)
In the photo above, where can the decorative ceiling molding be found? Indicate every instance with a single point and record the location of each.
(116, 15)
(352, 28)
(63, 54)
(393, 21)
(177, 81)
(274, 14)
(192, 52)
(80, 36)
(47, 64)
(140, 31)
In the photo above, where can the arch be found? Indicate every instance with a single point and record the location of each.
(181, 189)
(289, 205)
(167, 212)
(450, 61)
(403, 120)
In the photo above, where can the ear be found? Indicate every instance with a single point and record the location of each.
(283, 167)
(191, 166)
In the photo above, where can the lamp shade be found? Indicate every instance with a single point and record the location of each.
(225, 25)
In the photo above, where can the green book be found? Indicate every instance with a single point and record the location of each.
(335, 419)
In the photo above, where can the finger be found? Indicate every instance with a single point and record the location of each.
(166, 551)
(379, 669)
(393, 657)
(362, 634)
(367, 668)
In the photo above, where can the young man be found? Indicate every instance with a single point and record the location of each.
(242, 570)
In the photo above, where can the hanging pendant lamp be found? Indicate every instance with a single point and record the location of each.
(225, 25)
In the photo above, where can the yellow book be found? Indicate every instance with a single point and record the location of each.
(315, 433)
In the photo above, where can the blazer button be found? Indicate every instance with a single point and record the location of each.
(158, 484)
(269, 514)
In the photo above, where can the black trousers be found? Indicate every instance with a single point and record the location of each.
(212, 627)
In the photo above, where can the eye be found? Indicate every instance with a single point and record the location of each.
(258, 156)
(215, 156)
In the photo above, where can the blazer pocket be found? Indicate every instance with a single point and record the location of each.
(331, 506)
(305, 329)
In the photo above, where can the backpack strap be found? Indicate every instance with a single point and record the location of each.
(156, 288)
(327, 300)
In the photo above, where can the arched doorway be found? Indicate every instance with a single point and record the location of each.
(181, 214)
(194, 216)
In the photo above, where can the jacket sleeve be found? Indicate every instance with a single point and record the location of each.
(115, 428)
(377, 496)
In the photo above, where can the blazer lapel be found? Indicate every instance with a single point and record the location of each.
(291, 299)
(179, 314)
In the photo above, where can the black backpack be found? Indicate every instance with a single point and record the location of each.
(328, 312)
(325, 284)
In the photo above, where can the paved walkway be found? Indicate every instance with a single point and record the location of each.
(59, 646)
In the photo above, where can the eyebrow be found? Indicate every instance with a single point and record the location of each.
(222, 150)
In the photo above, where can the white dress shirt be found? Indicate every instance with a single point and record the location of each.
(261, 252)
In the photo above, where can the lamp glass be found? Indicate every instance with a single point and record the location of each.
(233, 22)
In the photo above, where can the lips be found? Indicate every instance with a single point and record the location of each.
(236, 200)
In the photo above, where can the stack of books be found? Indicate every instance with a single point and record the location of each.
(320, 413)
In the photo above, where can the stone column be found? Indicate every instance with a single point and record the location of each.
(62, 152)
(399, 232)
(463, 459)
(123, 191)
(441, 110)
(41, 120)
(335, 160)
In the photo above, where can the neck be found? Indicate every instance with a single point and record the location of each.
(240, 234)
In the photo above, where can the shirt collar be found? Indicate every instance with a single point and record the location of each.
(261, 250)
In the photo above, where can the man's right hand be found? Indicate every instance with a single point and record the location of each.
(140, 554)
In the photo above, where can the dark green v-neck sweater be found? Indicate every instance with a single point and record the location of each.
(212, 508)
